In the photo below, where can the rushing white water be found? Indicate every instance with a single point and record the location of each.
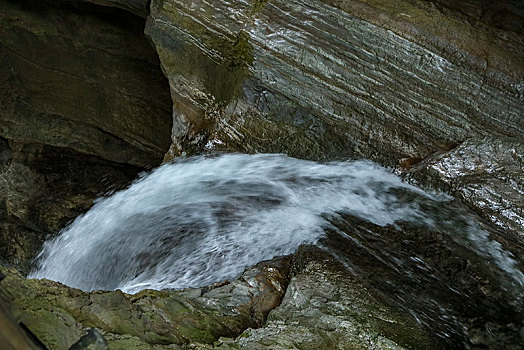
(203, 220)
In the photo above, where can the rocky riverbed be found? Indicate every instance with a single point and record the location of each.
(92, 93)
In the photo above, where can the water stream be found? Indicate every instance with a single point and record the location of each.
(205, 219)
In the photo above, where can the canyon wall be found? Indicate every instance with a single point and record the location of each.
(93, 92)
(83, 107)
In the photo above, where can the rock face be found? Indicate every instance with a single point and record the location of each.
(326, 307)
(432, 88)
(42, 188)
(83, 108)
(93, 340)
(486, 173)
(313, 80)
(59, 315)
(73, 79)
(460, 293)
(500, 13)
(333, 79)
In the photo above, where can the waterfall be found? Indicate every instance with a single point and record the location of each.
(205, 219)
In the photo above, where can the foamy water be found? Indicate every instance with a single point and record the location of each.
(204, 220)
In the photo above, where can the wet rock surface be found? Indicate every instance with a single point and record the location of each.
(324, 305)
(93, 340)
(42, 188)
(463, 32)
(418, 85)
(59, 315)
(487, 174)
(314, 81)
(444, 275)
(327, 307)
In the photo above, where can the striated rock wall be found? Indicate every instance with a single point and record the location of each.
(433, 88)
(310, 80)
(487, 174)
(396, 82)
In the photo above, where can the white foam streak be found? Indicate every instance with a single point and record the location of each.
(204, 220)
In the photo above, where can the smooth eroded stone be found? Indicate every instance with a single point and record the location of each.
(85, 79)
(58, 315)
(326, 307)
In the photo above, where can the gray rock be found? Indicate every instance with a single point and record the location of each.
(82, 79)
(309, 79)
(326, 307)
(93, 340)
(487, 173)
(83, 108)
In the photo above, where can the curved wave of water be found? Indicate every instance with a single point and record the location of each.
(204, 220)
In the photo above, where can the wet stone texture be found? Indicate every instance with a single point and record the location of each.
(43, 188)
(487, 173)
(59, 315)
(416, 85)
(327, 307)
(446, 276)
(325, 79)
(396, 82)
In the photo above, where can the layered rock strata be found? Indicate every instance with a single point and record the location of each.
(312, 79)
(394, 82)
(432, 88)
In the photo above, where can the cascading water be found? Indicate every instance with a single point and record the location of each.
(204, 220)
